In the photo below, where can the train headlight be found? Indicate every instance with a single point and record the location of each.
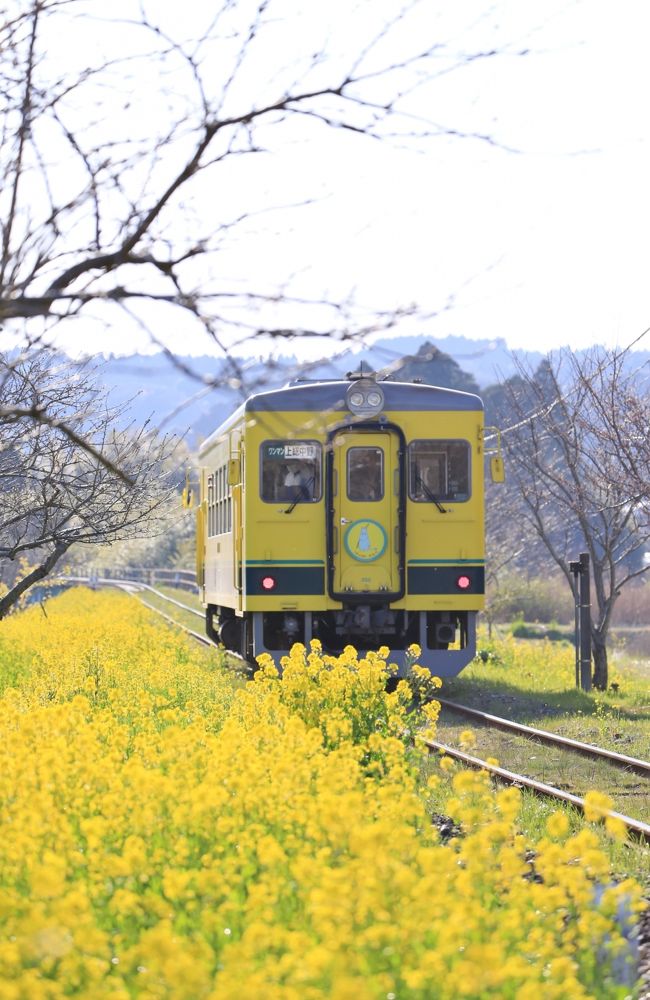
(365, 398)
(463, 582)
(268, 583)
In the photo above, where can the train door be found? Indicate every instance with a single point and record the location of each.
(235, 476)
(366, 499)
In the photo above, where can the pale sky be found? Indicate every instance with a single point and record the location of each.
(542, 242)
(544, 247)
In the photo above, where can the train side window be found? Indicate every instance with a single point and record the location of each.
(365, 474)
(291, 471)
(219, 502)
(218, 494)
(210, 505)
(439, 471)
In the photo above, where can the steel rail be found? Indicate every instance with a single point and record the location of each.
(511, 778)
(195, 635)
(130, 586)
(158, 593)
(630, 763)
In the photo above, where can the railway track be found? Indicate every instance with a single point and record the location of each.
(635, 826)
(203, 639)
(630, 764)
(552, 739)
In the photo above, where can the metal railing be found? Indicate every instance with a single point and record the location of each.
(182, 579)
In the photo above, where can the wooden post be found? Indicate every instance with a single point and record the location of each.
(585, 623)
(582, 595)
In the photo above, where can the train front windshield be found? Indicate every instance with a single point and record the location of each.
(291, 471)
(440, 469)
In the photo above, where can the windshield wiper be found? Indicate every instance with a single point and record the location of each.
(303, 494)
(431, 496)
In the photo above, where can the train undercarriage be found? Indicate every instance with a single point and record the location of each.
(447, 638)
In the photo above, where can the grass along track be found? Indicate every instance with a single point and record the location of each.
(532, 683)
(554, 739)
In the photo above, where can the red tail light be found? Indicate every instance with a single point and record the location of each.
(268, 583)
(463, 582)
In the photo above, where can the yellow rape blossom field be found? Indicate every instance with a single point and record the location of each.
(166, 833)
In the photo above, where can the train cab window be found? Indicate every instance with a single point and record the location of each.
(291, 471)
(365, 474)
(439, 471)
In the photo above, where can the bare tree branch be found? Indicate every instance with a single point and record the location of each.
(98, 211)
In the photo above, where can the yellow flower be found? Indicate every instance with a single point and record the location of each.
(557, 824)
(616, 828)
(170, 832)
(597, 805)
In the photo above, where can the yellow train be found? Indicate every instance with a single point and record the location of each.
(347, 511)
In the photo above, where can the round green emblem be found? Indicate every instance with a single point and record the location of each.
(365, 540)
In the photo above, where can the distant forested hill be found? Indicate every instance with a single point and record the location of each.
(175, 397)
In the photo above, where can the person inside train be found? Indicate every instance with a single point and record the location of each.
(298, 482)
(365, 474)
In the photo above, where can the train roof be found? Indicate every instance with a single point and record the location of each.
(322, 396)
(330, 395)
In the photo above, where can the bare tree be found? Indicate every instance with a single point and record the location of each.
(124, 154)
(55, 491)
(570, 453)
(509, 546)
(617, 389)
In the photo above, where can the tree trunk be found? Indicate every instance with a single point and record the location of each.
(39, 573)
(601, 678)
